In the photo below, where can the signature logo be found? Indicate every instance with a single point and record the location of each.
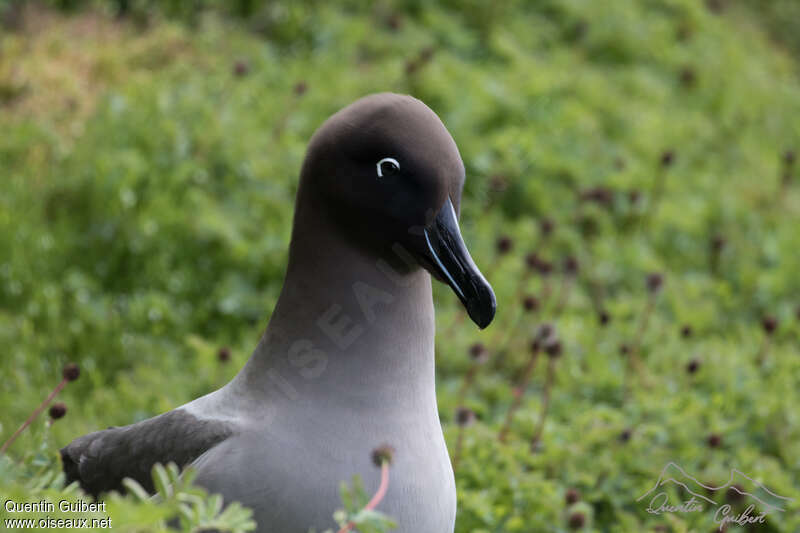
(739, 488)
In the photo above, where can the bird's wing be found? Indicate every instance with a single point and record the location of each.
(101, 460)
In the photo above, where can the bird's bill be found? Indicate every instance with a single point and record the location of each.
(449, 259)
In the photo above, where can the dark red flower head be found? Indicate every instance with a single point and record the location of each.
(300, 88)
(71, 372)
(734, 493)
(716, 6)
(394, 21)
(465, 416)
(600, 195)
(241, 68)
(504, 244)
(717, 243)
(544, 267)
(478, 352)
(770, 324)
(577, 520)
(655, 281)
(571, 266)
(498, 183)
(535, 345)
(572, 496)
(58, 410)
(530, 304)
(553, 348)
(382, 454)
(547, 226)
(688, 76)
(545, 331)
(427, 53)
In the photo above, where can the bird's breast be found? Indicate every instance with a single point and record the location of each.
(290, 472)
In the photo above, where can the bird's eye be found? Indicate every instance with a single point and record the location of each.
(388, 166)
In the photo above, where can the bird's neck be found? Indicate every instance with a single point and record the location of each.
(351, 325)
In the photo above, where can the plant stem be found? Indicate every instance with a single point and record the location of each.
(563, 296)
(548, 384)
(635, 360)
(504, 338)
(376, 499)
(657, 193)
(763, 351)
(455, 323)
(526, 378)
(459, 445)
(469, 377)
(546, 290)
(33, 415)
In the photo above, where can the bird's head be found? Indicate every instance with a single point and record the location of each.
(387, 171)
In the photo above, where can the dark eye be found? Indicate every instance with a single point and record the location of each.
(388, 166)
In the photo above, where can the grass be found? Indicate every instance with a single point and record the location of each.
(148, 175)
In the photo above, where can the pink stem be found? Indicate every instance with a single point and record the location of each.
(33, 416)
(373, 503)
(376, 499)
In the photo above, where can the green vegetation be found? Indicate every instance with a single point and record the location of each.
(148, 167)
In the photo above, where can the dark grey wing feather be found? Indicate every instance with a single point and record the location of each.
(101, 460)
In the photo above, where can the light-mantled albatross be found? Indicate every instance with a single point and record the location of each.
(347, 360)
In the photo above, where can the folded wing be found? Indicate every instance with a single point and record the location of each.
(100, 461)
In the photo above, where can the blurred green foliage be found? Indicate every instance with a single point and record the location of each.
(149, 155)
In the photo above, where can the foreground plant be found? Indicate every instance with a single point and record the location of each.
(70, 372)
(196, 510)
(363, 515)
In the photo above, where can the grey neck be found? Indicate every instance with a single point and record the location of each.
(353, 326)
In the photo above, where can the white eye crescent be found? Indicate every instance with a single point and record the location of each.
(387, 165)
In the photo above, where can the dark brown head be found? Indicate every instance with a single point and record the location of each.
(385, 171)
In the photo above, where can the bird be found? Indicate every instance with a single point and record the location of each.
(346, 362)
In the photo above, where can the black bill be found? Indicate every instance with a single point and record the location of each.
(450, 259)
